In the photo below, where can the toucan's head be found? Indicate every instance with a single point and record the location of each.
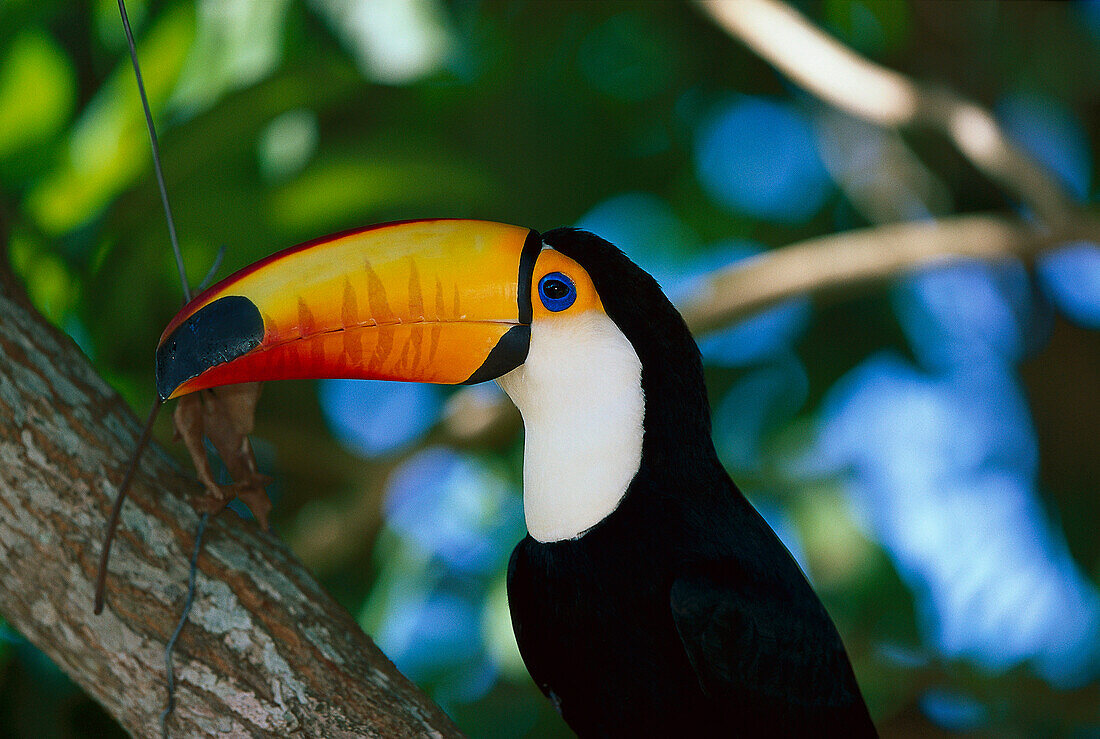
(583, 340)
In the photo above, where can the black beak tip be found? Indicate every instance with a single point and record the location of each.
(217, 333)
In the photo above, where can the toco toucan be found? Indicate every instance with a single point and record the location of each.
(649, 598)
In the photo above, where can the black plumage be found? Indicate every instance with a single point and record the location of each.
(680, 613)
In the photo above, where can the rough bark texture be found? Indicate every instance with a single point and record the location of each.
(266, 652)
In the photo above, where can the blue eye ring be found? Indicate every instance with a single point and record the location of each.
(557, 292)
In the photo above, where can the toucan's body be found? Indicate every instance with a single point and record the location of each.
(649, 597)
(680, 612)
(681, 634)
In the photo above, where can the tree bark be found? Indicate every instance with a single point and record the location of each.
(266, 651)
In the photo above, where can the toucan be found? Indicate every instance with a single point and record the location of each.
(649, 598)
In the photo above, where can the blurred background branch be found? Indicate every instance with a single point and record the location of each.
(826, 68)
(851, 260)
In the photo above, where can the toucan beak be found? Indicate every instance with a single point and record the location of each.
(445, 301)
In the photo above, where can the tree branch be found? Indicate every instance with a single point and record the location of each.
(266, 653)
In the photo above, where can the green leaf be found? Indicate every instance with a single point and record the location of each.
(333, 191)
(108, 147)
(37, 91)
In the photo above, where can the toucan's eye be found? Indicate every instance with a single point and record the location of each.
(557, 291)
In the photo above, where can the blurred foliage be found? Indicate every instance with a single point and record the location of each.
(928, 450)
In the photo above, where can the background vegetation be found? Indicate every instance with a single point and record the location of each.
(927, 448)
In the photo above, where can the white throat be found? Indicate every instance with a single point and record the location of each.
(580, 394)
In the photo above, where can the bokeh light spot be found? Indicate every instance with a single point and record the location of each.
(425, 638)
(953, 710)
(237, 43)
(970, 311)
(1053, 135)
(373, 417)
(393, 41)
(287, 143)
(757, 404)
(1071, 277)
(455, 509)
(760, 157)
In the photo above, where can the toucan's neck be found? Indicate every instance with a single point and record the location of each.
(595, 415)
(580, 394)
(597, 410)
(606, 395)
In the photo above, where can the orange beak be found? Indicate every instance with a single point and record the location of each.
(445, 301)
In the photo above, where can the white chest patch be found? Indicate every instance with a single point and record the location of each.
(580, 394)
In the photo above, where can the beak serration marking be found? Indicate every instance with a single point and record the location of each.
(376, 296)
(402, 363)
(440, 310)
(305, 320)
(353, 340)
(416, 310)
(416, 294)
(383, 314)
(350, 307)
(307, 328)
(440, 306)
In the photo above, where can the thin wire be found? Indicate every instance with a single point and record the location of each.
(206, 281)
(193, 573)
(171, 645)
(156, 151)
(116, 510)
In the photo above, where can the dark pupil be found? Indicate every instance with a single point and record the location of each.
(555, 289)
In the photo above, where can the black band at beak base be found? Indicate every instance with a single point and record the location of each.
(217, 333)
(509, 353)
